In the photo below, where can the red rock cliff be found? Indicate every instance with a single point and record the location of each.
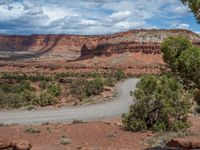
(70, 47)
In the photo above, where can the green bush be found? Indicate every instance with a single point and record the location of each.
(54, 89)
(119, 75)
(11, 100)
(161, 105)
(109, 82)
(43, 84)
(22, 77)
(184, 60)
(189, 66)
(172, 47)
(17, 87)
(77, 88)
(45, 99)
(28, 96)
(94, 87)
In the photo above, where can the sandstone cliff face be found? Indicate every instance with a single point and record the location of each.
(71, 47)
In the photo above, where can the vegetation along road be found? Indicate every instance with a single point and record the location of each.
(119, 105)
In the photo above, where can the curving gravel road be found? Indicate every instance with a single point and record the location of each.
(119, 105)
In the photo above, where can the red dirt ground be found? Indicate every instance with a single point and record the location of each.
(104, 135)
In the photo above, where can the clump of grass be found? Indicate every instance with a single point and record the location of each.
(111, 134)
(76, 121)
(64, 140)
(162, 138)
(45, 123)
(32, 130)
(3, 125)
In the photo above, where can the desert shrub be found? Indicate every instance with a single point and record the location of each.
(54, 89)
(14, 76)
(32, 130)
(39, 77)
(22, 77)
(61, 75)
(188, 66)
(76, 121)
(184, 60)
(28, 96)
(162, 105)
(77, 88)
(16, 88)
(109, 82)
(11, 100)
(45, 99)
(172, 47)
(94, 87)
(43, 84)
(96, 75)
(119, 75)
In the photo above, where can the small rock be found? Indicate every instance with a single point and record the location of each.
(5, 143)
(118, 124)
(21, 145)
(65, 141)
(186, 143)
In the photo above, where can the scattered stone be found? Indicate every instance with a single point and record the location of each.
(185, 143)
(111, 134)
(118, 124)
(5, 143)
(21, 145)
(65, 140)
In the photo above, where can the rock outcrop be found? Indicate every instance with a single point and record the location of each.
(185, 143)
(71, 47)
(117, 48)
(19, 144)
(136, 52)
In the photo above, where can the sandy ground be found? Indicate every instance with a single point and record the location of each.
(104, 135)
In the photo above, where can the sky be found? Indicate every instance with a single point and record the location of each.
(89, 17)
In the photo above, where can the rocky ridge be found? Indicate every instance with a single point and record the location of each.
(71, 47)
(135, 51)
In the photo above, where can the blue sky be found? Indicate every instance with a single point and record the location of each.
(92, 16)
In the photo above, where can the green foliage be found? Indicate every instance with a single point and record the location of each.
(28, 96)
(161, 105)
(94, 87)
(189, 65)
(12, 100)
(20, 89)
(77, 88)
(16, 95)
(119, 75)
(22, 77)
(46, 99)
(74, 74)
(16, 88)
(172, 48)
(43, 85)
(109, 82)
(54, 89)
(194, 6)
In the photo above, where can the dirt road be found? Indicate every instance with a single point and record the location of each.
(119, 105)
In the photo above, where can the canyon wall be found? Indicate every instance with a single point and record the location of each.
(72, 47)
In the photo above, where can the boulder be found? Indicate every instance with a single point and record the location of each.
(5, 143)
(185, 143)
(21, 145)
